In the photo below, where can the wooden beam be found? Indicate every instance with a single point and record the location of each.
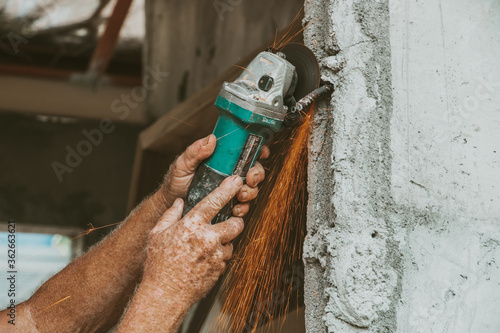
(147, 174)
(65, 75)
(59, 98)
(107, 43)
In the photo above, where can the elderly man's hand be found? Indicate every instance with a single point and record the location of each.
(185, 257)
(180, 175)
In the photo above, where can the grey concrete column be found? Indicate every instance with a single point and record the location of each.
(351, 258)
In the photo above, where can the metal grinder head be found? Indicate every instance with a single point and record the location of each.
(272, 83)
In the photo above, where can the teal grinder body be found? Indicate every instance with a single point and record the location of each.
(251, 109)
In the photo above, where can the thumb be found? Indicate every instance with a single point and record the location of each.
(189, 160)
(171, 216)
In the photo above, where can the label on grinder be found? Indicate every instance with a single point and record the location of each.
(247, 155)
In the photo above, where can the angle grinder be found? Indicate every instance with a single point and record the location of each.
(274, 90)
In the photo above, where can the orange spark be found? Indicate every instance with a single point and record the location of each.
(55, 303)
(92, 228)
(83, 233)
(291, 31)
(288, 30)
(245, 70)
(180, 120)
(232, 132)
(282, 44)
(254, 291)
(275, 37)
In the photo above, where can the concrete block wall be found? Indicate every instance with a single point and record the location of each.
(404, 174)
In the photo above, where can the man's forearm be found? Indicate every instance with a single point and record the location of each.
(96, 286)
(153, 310)
(90, 294)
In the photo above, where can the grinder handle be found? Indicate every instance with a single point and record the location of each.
(205, 180)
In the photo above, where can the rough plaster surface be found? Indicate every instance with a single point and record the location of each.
(352, 261)
(403, 227)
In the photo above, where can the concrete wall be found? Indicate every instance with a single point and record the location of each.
(445, 142)
(404, 227)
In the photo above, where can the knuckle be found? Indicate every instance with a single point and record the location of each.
(179, 164)
(216, 201)
(197, 217)
(175, 163)
(228, 186)
(211, 239)
(190, 223)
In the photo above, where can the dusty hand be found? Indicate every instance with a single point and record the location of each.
(180, 175)
(185, 257)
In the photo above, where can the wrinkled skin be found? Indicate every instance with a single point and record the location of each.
(183, 259)
(189, 267)
(196, 258)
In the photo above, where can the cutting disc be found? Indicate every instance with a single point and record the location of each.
(307, 68)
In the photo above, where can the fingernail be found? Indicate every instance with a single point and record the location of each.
(238, 181)
(207, 141)
(244, 195)
(177, 202)
(238, 210)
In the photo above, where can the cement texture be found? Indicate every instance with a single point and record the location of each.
(404, 199)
